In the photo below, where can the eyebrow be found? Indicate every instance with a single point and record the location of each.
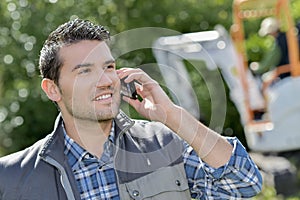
(112, 61)
(82, 65)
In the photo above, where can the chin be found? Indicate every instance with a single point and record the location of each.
(108, 115)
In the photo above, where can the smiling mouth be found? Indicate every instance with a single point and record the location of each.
(103, 97)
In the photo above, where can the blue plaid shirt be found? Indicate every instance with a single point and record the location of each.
(96, 178)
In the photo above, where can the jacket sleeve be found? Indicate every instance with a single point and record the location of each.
(239, 178)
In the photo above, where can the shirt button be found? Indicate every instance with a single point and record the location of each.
(177, 182)
(135, 193)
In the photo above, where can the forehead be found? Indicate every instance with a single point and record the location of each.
(85, 51)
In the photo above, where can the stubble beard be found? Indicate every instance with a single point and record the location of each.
(80, 112)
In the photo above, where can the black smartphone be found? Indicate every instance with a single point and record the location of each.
(128, 89)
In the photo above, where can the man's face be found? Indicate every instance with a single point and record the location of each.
(89, 85)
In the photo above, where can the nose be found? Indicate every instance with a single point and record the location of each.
(104, 80)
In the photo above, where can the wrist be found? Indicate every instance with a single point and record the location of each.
(175, 119)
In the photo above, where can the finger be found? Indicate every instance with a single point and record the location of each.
(132, 74)
(124, 72)
(135, 103)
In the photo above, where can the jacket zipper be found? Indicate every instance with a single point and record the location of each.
(63, 175)
(118, 146)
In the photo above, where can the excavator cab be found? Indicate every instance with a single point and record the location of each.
(278, 130)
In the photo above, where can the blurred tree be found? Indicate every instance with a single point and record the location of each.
(25, 112)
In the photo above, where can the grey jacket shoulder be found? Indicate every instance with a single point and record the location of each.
(21, 158)
(27, 174)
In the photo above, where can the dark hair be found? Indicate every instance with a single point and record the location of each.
(67, 33)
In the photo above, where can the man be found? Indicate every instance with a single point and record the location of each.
(97, 152)
(278, 54)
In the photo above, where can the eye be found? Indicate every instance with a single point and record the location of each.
(109, 67)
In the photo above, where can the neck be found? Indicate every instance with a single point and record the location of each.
(90, 135)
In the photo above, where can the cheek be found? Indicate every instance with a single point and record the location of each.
(72, 89)
(114, 79)
(117, 84)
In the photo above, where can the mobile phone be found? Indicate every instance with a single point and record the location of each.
(128, 89)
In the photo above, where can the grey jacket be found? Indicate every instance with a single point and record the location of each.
(143, 171)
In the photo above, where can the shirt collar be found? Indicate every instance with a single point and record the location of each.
(75, 152)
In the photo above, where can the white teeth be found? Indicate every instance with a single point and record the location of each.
(103, 97)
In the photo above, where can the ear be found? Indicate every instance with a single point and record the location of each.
(51, 89)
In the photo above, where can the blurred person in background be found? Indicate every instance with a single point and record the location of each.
(278, 54)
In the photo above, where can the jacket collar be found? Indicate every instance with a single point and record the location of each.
(123, 123)
(54, 145)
